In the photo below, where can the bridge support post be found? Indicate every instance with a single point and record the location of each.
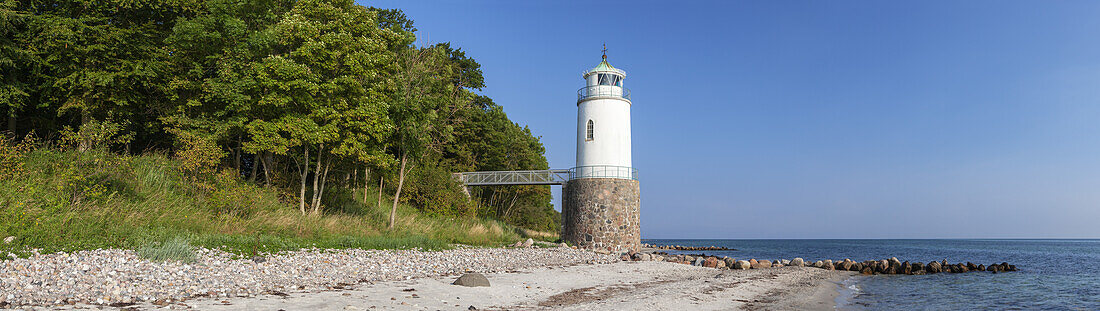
(602, 213)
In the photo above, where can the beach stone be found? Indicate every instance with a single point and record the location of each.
(753, 261)
(711, 262)
(845, 265)
(742, 265)
(698, 262)
(472, 280)
(721, 264)
(528, 243)
(761, 264)
(828, 264)
(785, 262)
(9, 239)
(856, 267)
(798, 262)
(819, 264)
(729, 262)
(867, 271)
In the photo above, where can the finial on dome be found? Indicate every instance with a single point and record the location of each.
(605, 51)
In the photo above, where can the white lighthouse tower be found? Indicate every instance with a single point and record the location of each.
(603, 124)
(601, 203)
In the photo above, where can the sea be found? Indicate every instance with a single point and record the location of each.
(1053, 274)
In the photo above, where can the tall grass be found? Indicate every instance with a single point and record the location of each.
(67, 200)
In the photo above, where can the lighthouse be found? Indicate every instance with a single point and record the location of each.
(601, 202)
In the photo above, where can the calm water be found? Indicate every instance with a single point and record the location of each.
(1054, 274)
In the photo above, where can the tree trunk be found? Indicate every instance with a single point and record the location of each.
(237, 159)
(304, 172)
(381, 180)
(11, 121)
(255, 166)
(400, 183)
(324, 181)
(316, 179)
(366, 179)
(267, 167)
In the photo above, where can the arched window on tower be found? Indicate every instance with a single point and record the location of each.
(589, 129)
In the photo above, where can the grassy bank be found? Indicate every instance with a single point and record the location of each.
(67, 200)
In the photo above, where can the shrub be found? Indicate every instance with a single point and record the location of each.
(95, 135)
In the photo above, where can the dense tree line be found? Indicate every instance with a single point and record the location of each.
(304, 95)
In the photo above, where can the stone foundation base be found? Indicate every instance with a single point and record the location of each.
(602, 213)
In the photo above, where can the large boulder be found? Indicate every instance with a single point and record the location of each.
(934, 267)
(698, 262)
(867, 271)
(798, 262)
(917, 266)
(729, 262)
(721, 264)
(828, 264)
(906, 268)
(761, 264)
(711, 262)
(819, 264)
(844, 266)
(472, 280)
(742, 265)
(528, 243)
(856, 267)
(785, 262)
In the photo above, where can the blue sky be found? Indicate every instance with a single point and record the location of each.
(817, 119)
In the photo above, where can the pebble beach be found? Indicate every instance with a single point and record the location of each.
(116, 277)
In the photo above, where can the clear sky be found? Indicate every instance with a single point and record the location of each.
(817, 119)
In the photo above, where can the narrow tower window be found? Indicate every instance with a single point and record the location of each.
(588, 134)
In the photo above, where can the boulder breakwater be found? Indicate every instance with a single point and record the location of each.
(869, 267)
(688, 248)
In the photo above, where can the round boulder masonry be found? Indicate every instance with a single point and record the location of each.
(602, 213)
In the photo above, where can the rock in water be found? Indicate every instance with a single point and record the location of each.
(934, 267)
(798, 262)
(472, 280)
(867, 271)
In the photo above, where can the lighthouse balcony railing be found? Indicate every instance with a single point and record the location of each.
(602, 91)
(604, 171)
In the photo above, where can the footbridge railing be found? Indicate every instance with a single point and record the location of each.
(544, 177)
(535, 177)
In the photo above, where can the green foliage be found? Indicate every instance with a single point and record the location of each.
(259, 102)
(175, 249)
(95, 135)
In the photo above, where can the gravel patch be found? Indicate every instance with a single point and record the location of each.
(120, 277)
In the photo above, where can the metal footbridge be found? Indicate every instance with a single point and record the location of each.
(544, 177)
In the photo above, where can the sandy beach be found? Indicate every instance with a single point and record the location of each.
(617, 286)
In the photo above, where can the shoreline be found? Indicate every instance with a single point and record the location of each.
(614, 286)
(521, 278)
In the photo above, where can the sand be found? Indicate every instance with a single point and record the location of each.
(618, 286)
